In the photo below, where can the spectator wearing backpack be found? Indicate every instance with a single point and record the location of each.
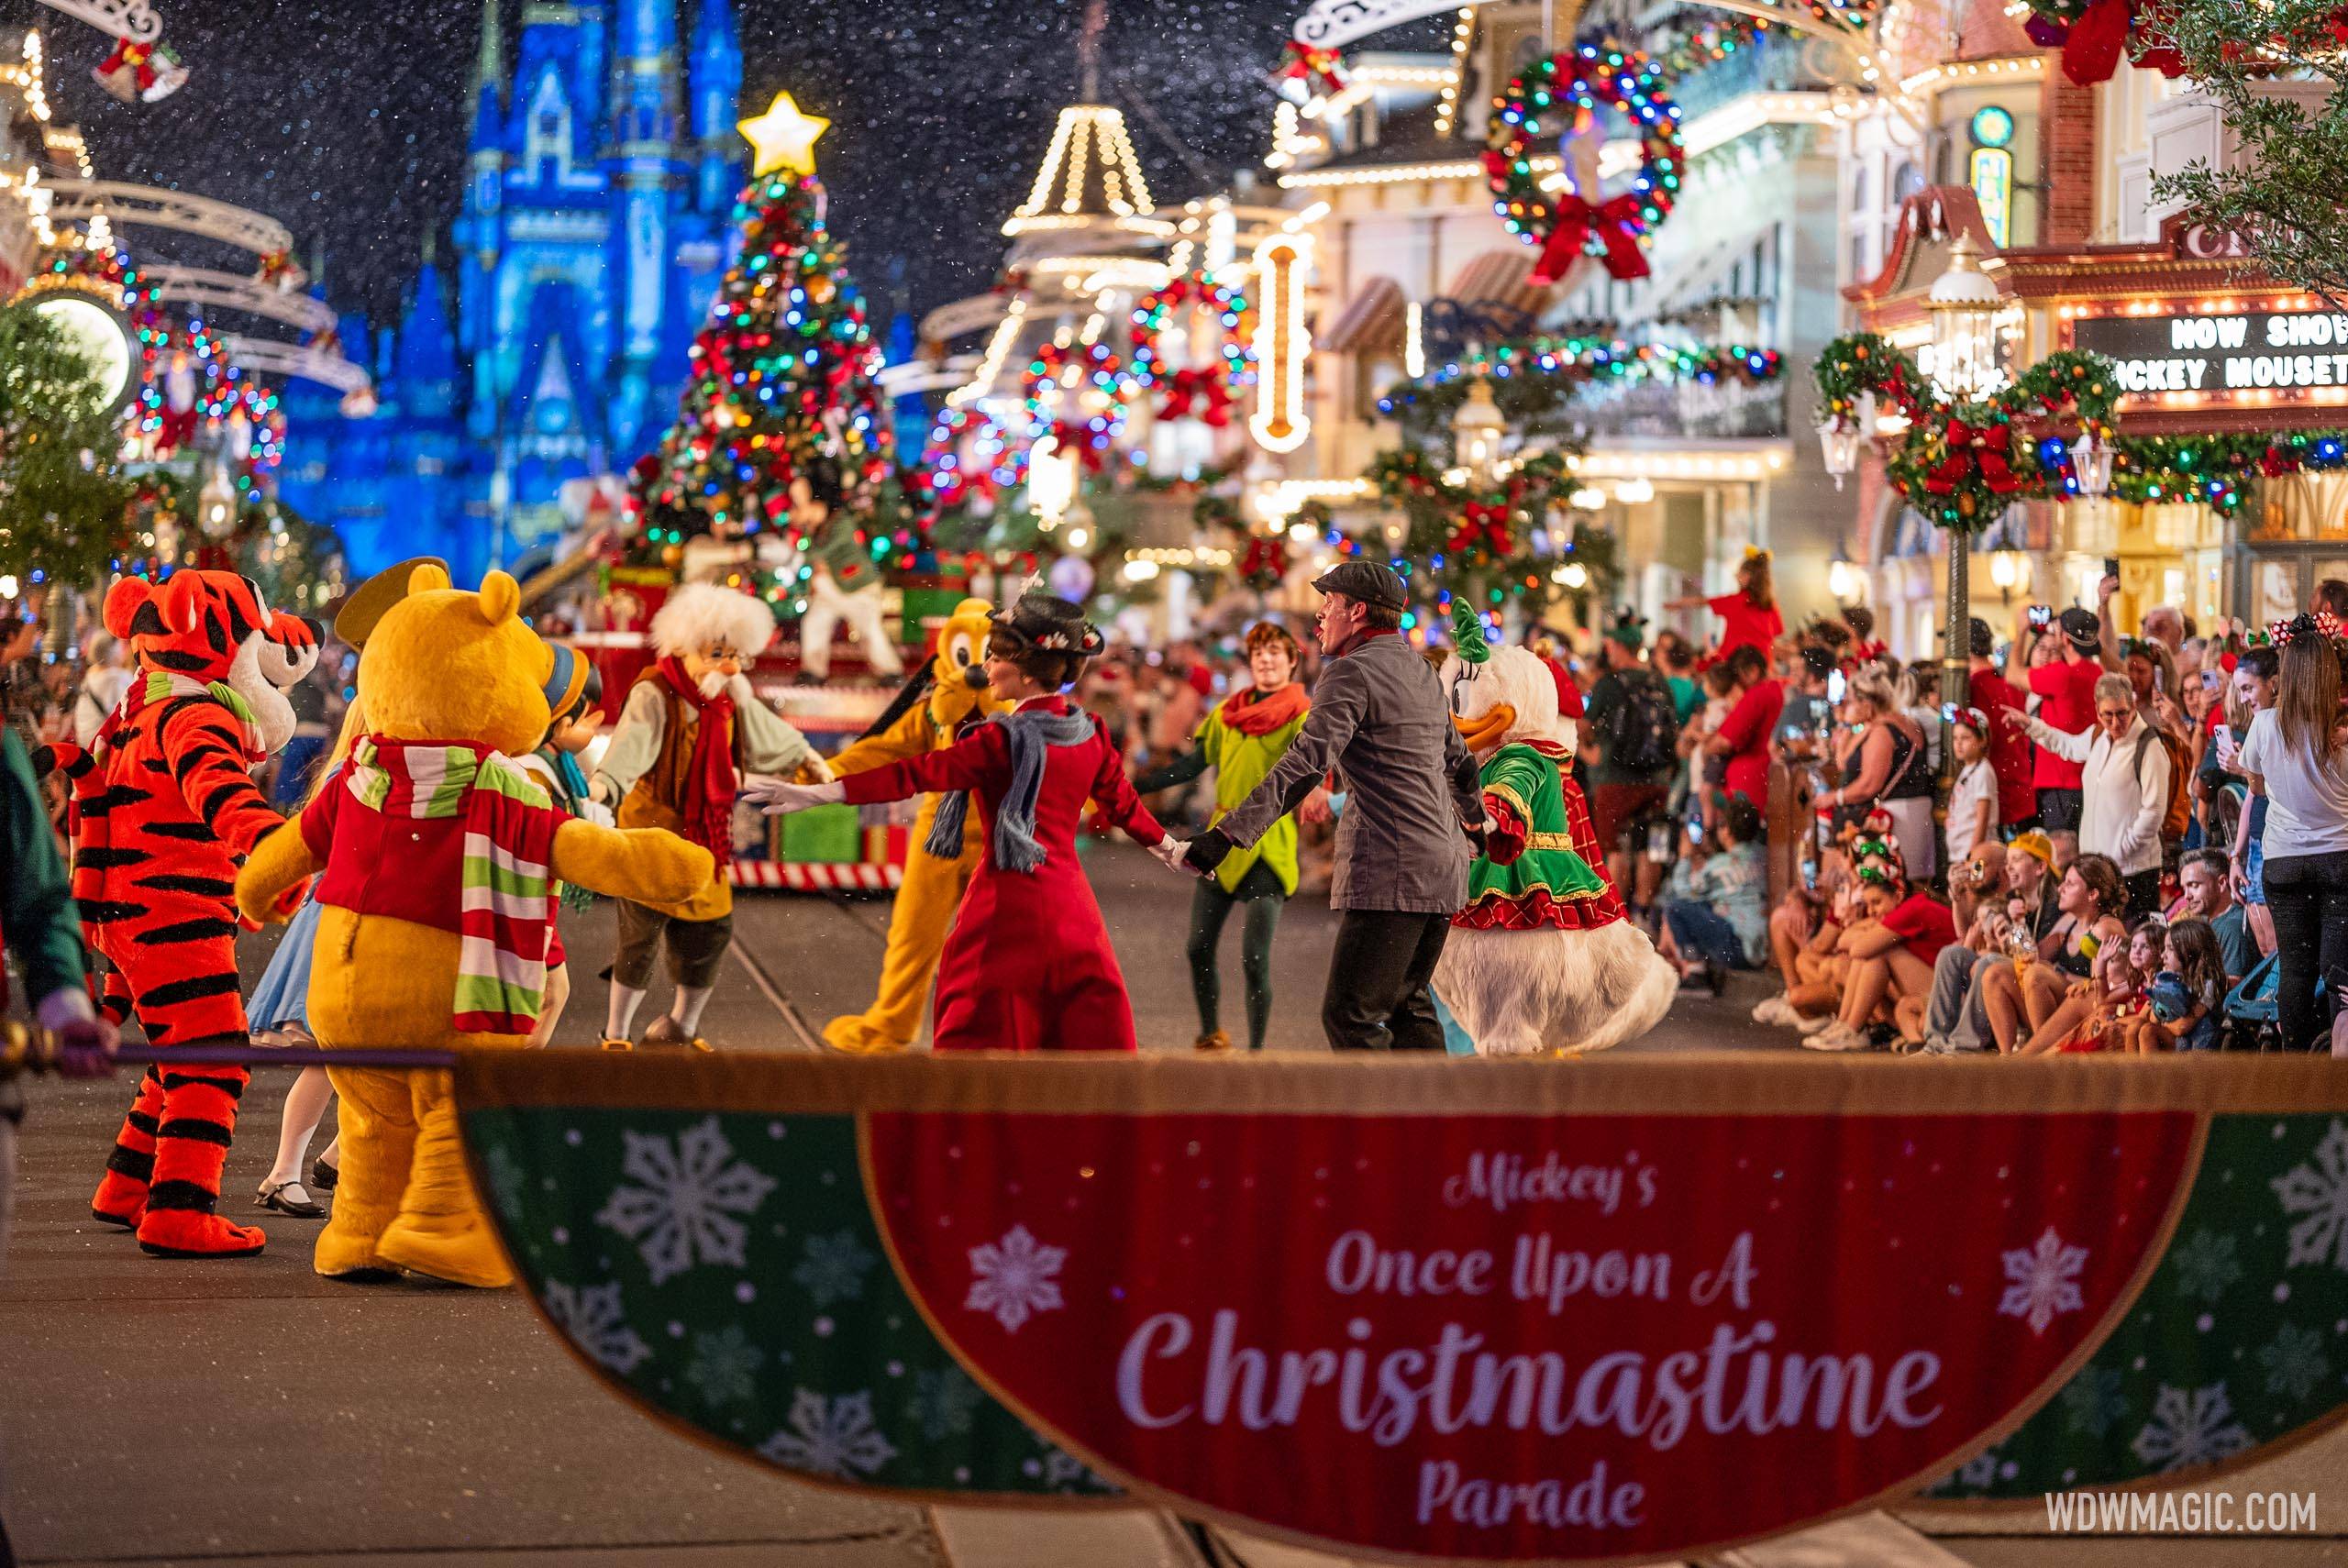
(1633, 727)
(2124, 785)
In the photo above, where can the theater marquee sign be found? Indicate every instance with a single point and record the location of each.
(2245, 356)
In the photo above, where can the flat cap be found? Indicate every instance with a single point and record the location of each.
(1372, 582)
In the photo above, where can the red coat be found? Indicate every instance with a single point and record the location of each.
(1028, 966)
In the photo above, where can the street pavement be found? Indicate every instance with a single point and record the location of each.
(248, 1412)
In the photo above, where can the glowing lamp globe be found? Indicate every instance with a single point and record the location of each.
(1962, 306)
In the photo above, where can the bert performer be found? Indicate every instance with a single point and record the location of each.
(1028, 966)
(691, 728)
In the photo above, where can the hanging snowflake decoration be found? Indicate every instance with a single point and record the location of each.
(2043, 1280)
(683, 1213)
(830, 1436)
(2190, 1428)
(2319, 1193)
(594, 1320)
(1013, 1278)
(1563, 94)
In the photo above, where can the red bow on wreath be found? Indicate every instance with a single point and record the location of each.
(1988, 444)
(1485, 524)
(1615, 221)
(2094, 45)
(1318, 68)
(1186, 391)
(1265, 559)
(1078, 439)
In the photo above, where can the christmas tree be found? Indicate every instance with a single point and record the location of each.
(782, 433)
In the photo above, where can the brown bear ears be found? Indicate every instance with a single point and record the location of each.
(501, 596)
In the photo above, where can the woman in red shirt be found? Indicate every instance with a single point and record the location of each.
(1749, 616)
(1743, 737)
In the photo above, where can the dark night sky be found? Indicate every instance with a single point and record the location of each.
(353, 132)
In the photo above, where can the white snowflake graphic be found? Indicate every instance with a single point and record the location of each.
(596, 1323)
(945, 1402)
(2043, 1280)
(2294, 1360)
(1013, 1278)
(2190, 1428)
(830, 1436)
(724, 1366)
(2320, 1192)
(680, 1215)
(2206, 1266)
(2094, 1400)
(834, 1268)
(1980, 1471)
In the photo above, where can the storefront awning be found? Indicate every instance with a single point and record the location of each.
(1372, 320)
(1499, 278)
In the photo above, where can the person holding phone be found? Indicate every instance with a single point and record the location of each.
(2009, 759)
(2062, 678)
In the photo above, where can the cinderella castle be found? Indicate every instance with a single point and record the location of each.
(596, 222)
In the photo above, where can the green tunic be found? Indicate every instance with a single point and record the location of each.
(1529, 784)
(1240, 761)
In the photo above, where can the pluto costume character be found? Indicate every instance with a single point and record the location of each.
(436, 854)
(950, 690)
(1544, 957)
(692, 727)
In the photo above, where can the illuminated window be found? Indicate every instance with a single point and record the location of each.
(1992, 178)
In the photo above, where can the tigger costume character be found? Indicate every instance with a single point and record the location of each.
(167, 810)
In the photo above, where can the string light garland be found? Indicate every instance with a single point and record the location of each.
(779, 394)
(1094, 379)
(1575, 85)
(1493, 541)
(1208, 390)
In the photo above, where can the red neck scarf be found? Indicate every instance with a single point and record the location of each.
(1252, 713)
(708, 806)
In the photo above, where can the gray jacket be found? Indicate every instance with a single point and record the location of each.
(1380, 721)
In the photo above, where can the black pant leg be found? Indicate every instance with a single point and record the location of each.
(2331, 946)
(1416, 1027)
(1368, 970)
(2294, 895)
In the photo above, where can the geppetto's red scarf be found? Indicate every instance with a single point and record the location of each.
(1252, 713)
(708, 806)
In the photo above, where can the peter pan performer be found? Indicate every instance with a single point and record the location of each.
(690, 729)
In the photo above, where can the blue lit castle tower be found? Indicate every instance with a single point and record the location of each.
(596, 222)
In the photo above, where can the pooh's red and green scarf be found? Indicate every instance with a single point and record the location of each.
(507, 826)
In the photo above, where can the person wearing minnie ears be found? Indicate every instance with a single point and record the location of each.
(1028, 966)
(1380, 720)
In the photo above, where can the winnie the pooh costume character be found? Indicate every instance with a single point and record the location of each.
(450, 950)
(949, 690)
(1544, 957)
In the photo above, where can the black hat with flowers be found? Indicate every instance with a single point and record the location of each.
(1048, 624)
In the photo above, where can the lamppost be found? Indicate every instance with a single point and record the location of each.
(1963, 306)
(1476, 430)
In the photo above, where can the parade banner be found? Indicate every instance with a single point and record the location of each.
(1504, 1311)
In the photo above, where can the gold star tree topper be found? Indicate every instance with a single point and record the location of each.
(784, 137)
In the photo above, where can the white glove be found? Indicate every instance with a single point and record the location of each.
(823, 769)
(777, 799)
(596, 815)
(1170, 851)
(737, 686)
(601, 790)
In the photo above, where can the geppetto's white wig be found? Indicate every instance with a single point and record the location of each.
(700, 614)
